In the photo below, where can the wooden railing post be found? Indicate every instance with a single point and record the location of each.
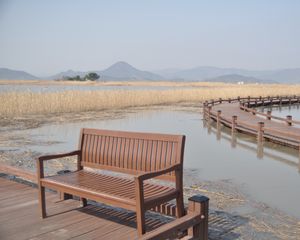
(299, 158)
(248, 98)
(239, 98)
(260, 131)
(219, 117)
(204, 109)
(233, 139)
(208, 112)
(220, 100)
(289, 119)
(212, 102)
(280, 101)
(199, 204)
(269, 113)
(229, 100)
(233, 123)
(243, 105)
(260, 150)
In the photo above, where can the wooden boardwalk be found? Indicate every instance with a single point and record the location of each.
(259, 149)
(19, 217)
(235, 115)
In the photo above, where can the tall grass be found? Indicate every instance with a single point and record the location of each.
(22, 103)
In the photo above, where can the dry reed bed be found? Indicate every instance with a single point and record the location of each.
(22, 103)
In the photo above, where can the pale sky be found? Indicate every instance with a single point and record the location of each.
(49, 36)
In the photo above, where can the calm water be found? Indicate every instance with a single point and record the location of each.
(269, 174)
(283, 111)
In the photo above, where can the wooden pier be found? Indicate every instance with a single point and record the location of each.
(240, 115)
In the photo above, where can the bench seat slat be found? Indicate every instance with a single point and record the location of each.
(101, 184)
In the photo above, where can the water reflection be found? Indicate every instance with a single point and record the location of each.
(262, 149)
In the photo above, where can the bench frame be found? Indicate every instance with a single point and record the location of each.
(174, 171)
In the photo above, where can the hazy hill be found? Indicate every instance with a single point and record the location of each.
(234, 78)
(118, 71)
(199, 73)
(284, 76)
(124, 71)
(69, 73)
(9, 74)
(203, 73)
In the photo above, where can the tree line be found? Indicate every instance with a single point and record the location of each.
(92, 76)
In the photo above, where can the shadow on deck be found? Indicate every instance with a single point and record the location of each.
(20, 219)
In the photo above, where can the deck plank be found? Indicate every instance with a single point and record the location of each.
(19, 217)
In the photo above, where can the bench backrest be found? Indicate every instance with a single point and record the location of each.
(130, 152)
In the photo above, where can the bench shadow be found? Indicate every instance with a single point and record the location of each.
(221, 224)
(122, 216)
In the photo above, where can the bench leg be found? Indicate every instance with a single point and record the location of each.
(65, 196)
(83, 202)
(140, 220)
(42, 201)
(180, 206)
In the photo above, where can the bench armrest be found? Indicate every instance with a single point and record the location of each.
(55, 156)
(40, 161)
(145, 176)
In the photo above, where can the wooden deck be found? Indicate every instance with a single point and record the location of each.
(233, 115)
(20, 218)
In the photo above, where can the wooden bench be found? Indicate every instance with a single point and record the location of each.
(141, 155)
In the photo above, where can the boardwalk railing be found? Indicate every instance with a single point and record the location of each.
(248, 104)
(246, 144)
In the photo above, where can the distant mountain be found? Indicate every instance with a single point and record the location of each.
(234, 78)
(69, 73)
(119, 71)
(167, 72)
(200, 73)
(203, 73)
(124, 71)
(9, 74)
(284, 76)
